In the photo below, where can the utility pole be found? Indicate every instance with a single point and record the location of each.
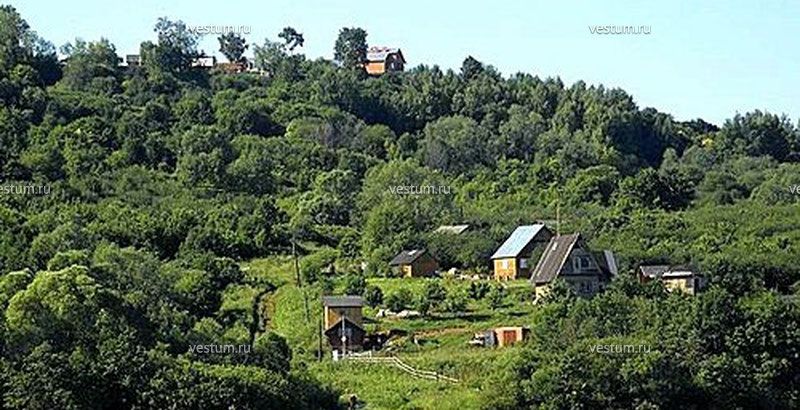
(319, 339)
(558, 216)
(298, 277)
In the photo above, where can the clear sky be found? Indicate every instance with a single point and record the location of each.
(706, 60)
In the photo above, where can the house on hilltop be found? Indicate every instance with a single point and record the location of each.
(513, 258)
(343, 322)
(381, 60)
(682, 278)
(567, 257)
(415, 263)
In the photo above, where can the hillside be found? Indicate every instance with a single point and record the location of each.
(170, 229)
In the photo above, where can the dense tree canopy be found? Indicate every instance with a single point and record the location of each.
(163, 177)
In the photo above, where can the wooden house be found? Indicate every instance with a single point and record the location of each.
(342, 316)
(681, 278)
(381, 60)
(513, 258)
(415, 263)
(567, 257)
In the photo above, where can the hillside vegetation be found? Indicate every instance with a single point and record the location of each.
(176, 195)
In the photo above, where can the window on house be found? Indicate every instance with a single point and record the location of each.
(523, 263)
(582, 263)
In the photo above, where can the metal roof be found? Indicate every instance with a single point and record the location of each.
(343, 301)
(381, 53)
(554, 257)
(454, 229)
(518, 240)
(653, 271)
(406, 257)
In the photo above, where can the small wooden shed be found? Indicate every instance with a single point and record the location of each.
(415, 263)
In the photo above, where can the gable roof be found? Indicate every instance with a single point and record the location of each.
(668, 271)
(381, 53)
(606, 262)
(653, 271)
(554, 257)
(343, 301)
(407, 257)
(518, 240)
(453, 229)
(338, 325)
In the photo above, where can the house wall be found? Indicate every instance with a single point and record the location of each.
(584, 278)
(541, 291)
(685, 285)
(425, 265)
(334, 313)
(517, 334)
(355, 338)
(505, 269)
(375, 67)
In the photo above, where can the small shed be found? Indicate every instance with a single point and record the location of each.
(415, 263)
(509, 335)
(337, 307)
(500, 336)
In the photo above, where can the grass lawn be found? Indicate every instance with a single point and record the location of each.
(442, 341)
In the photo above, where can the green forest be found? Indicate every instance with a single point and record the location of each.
(133, 199)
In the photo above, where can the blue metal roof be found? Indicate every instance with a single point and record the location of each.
(517, 241)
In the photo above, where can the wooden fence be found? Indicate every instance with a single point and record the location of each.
(395, 361)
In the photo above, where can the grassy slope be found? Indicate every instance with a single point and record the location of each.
(442, 345)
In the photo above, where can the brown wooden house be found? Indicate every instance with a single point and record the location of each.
(415, 263)
(513, 259)
(567, 257)
(381, 60)
(342, 316)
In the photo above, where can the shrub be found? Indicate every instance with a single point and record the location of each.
(434, 293)
(399, 300)
(373, 295)
(477, 290)
(496, 296)
(355, 284)
(456, 302)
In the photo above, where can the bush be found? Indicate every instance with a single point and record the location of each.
(477, 290)
(496, 296)
(373, 295)
(399, 300)
(456, 302)
(422, 305)
(355, 284)
(434, 293)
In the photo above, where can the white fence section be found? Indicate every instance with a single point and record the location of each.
(367, 357)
